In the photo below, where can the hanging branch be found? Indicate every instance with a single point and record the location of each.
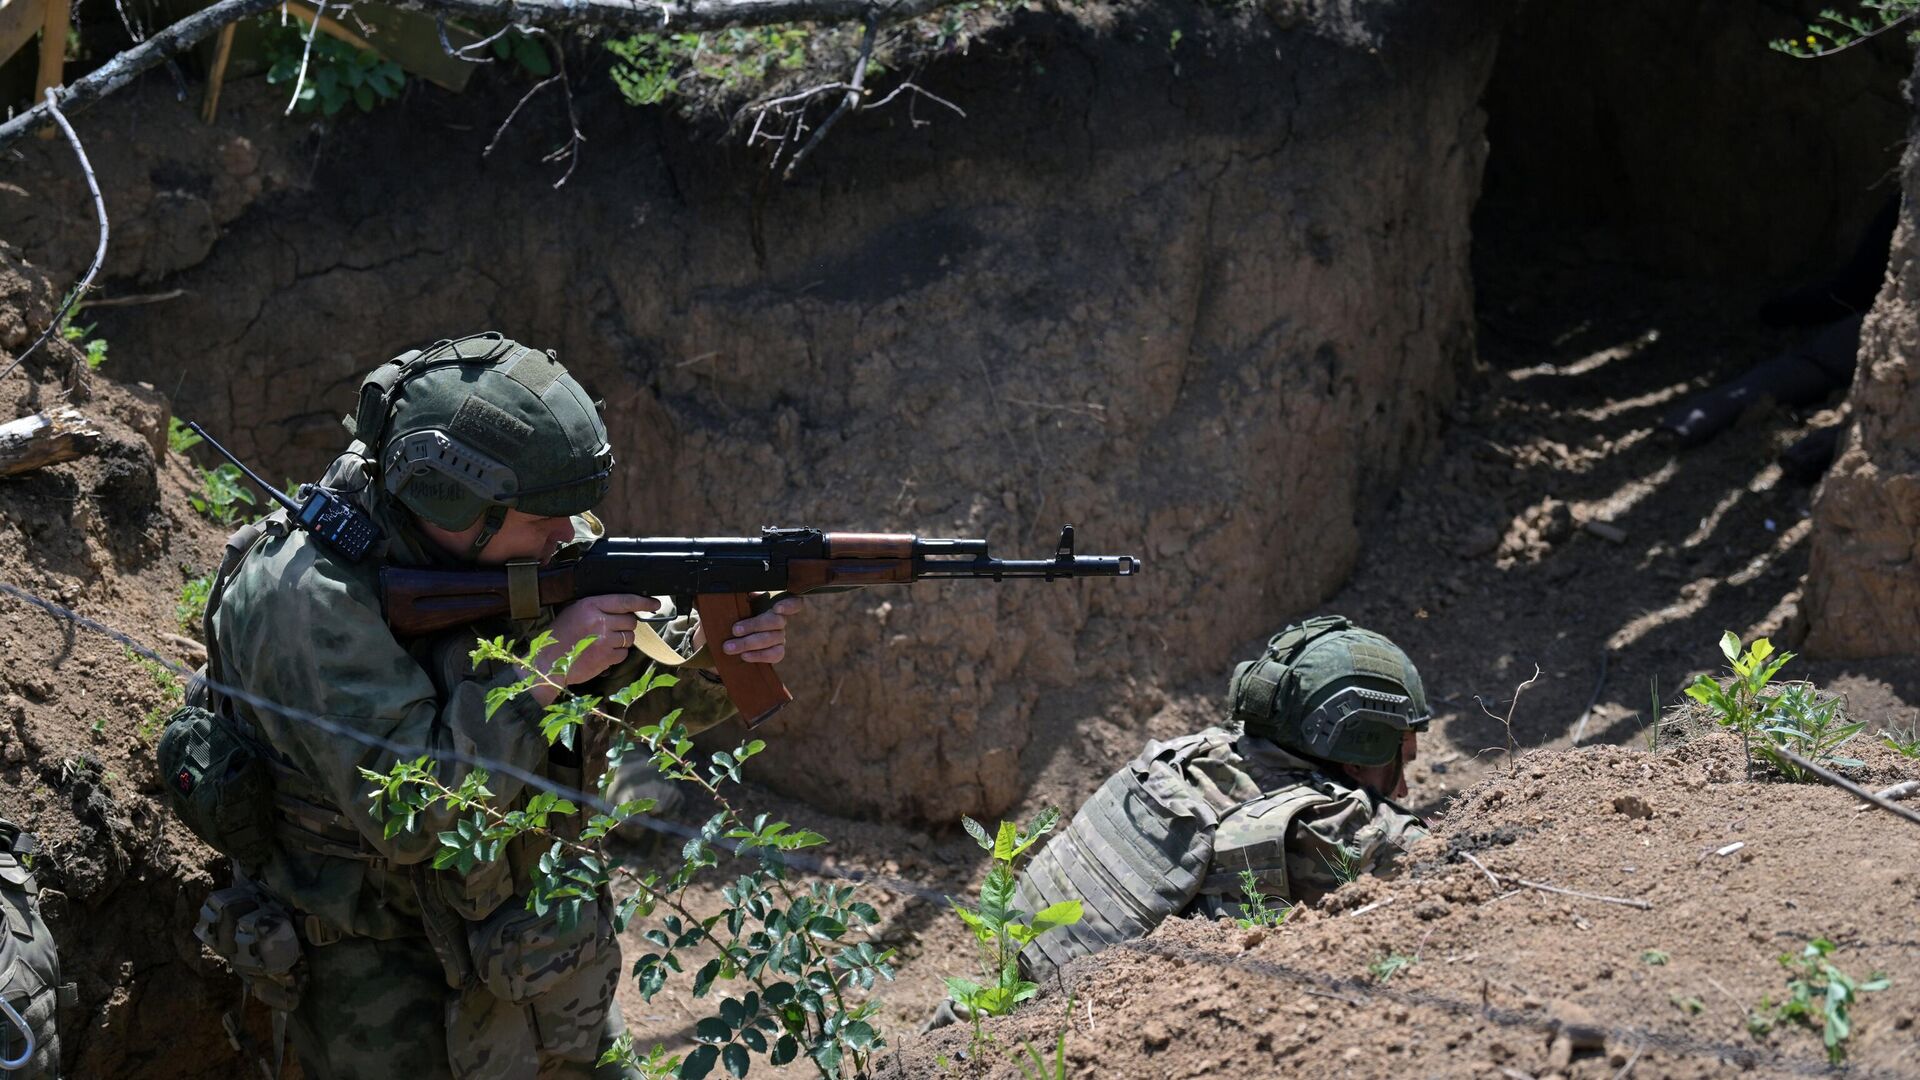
(100, 250)
(623, 15)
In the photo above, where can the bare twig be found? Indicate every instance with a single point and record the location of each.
(618, 15)
(566, 150)
(1849, 786)
(131, 300)
(850, 102)
(1902, 790)
(52, 106)
(1599, 687)
(1623, 902)
(1507, 722)
(1491, 880)
(460, 52)
(306, 54)
(1375, 906)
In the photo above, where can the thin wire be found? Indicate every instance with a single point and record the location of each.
(410, 751)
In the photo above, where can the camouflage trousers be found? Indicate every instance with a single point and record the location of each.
(373, 1010)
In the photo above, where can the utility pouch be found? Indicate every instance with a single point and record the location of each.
(217, 784)
(545, 994)
(254, 933)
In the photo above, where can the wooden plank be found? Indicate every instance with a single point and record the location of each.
(53, 46)
(19, 21)
(43, 439)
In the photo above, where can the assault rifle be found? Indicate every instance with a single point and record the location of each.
(722, 574)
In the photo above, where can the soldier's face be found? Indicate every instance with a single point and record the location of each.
(521, 536)
(1391, 775)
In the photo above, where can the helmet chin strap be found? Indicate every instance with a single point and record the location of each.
(490, 523)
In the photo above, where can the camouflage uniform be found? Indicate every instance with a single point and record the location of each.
(29, 968)
(1173, 832)
(407, 971)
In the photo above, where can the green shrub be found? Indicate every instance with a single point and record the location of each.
(1818, 995)
(1000, 929)
(337, 74)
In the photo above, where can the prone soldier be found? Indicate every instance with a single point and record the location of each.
(1299, 792)
(30, 988)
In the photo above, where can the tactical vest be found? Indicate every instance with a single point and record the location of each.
(1140, 850)
(31, 992)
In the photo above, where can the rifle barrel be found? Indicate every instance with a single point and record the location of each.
(1076, 567)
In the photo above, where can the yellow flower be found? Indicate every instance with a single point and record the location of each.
(1810, 42)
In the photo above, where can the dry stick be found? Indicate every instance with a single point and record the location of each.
(621, 15)
(306, 54)
(99, 211)
(848, 103)
(1641, 904)
(1512, 747)
(1599, 686)
(1897, 791)
(131, 300)
(1491, 880)
(1849, 786)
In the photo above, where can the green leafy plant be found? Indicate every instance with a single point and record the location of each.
(788, 953)
(1903, 741)
(222, 493)
(329, 73)
(192, 605)
(1791, 717)
(95, 348)
(1689, 1004)
(1833, 30)
(650, 68)
(1000, 929)
(180, 438)
(1654, 957)
(525, 51)
(1384, 968)
(1818, 995)
(1801, 721)
(1255, 912)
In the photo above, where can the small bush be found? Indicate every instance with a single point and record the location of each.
(192, 605)
(1818, 995)
(1001, 929)
(337, 74)
(222, 494)
(1771, 718)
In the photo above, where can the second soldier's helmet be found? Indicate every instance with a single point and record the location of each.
(470, 427)
(1330, 690)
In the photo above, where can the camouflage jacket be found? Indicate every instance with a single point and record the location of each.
(1175, 829)
(29, 966)
(300, 626)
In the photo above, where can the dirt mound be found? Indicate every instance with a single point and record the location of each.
(111, 536)
(1511, 980)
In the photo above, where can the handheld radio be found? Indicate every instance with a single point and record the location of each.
(332, 520)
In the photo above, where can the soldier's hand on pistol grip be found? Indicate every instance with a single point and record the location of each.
(761, 639)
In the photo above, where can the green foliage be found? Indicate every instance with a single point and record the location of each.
(1041, 1069)
(337, 74)
(1689, 1004)
(192, 605)
(1818, 995)
(1386, 967)
(778, 963)
(180, 438)
(1903, 741)
(650, 68)
(1791, 717)
(1834, 30)
(1255, 911)
(1344, 864)
(172, 693)
(526, 53)
(1655, 957)
(95, 348)
(222, 493)
(1000, 929)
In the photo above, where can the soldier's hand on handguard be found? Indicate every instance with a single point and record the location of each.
(761, 639)
(609, 620)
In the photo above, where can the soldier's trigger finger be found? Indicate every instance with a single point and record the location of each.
(622, 623)
(626, 603)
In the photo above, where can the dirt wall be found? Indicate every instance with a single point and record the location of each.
(1683, 141)
(1206, 303)
(1863, 598)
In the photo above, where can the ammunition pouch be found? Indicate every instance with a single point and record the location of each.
(542, 990)
(218, 784)
(255, 935)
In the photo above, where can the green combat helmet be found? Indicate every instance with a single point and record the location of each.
(473, 426)
(1332, 691)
